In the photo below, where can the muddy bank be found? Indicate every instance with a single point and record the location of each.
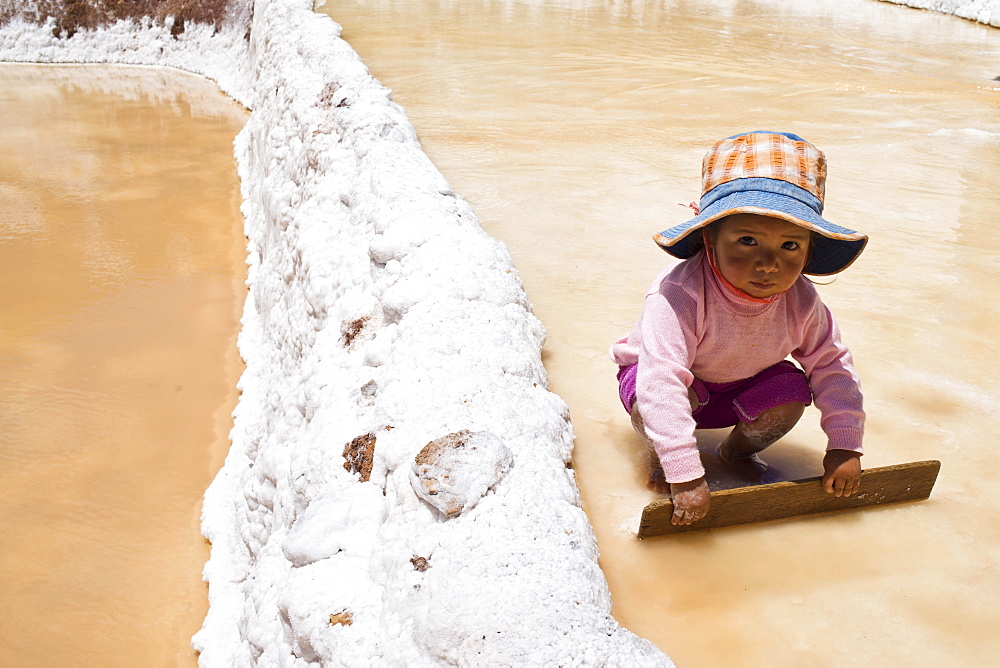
(101, 32)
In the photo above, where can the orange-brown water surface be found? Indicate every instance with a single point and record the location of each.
(576, 129)
(121, 286)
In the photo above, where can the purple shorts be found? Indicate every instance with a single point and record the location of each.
(725, 404)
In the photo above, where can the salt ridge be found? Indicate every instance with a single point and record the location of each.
(983, 11)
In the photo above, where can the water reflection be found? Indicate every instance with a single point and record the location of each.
(121, 284)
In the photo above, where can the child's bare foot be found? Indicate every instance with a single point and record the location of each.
(750, 464)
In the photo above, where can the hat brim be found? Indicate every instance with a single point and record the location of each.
(833, 251)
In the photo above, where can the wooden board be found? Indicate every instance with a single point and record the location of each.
(797, 498)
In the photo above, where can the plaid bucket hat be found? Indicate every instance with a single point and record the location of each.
(775, 174)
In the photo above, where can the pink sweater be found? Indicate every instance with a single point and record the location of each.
(691, 326)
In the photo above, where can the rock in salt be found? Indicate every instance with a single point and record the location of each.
(454, 472)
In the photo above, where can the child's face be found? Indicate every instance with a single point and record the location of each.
(761, 256)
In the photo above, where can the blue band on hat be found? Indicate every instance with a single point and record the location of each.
(761, 184)
(793, 137)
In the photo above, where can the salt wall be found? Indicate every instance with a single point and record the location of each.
(379, 314)
(984, 11)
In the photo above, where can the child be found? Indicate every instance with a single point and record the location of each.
(709, 349)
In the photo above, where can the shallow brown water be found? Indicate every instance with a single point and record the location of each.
(121, 286)
(575, 129)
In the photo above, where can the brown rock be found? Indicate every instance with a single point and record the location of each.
(343, 618)
(359, 454)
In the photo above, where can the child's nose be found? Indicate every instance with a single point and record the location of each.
(767, 261)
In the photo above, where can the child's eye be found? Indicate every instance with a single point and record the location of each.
(790, 245)
(748, 241)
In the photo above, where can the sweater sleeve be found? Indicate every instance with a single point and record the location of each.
(836, 389)
(668, 340)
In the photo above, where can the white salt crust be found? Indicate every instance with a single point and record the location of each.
(983, 11)
(353, 234)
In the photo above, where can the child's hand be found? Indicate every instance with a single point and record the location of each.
(841, 472)
(690, 500)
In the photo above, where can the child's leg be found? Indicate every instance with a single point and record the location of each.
(657, 480)
(748, 438)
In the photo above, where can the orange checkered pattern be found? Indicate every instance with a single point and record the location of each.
(769, 156)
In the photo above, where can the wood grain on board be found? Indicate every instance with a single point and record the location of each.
(783, 500)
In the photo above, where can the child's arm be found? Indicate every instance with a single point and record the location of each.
(667, 340)
(841, 473)
(830, 368)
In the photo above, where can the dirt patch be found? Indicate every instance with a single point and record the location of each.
(352, 329)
